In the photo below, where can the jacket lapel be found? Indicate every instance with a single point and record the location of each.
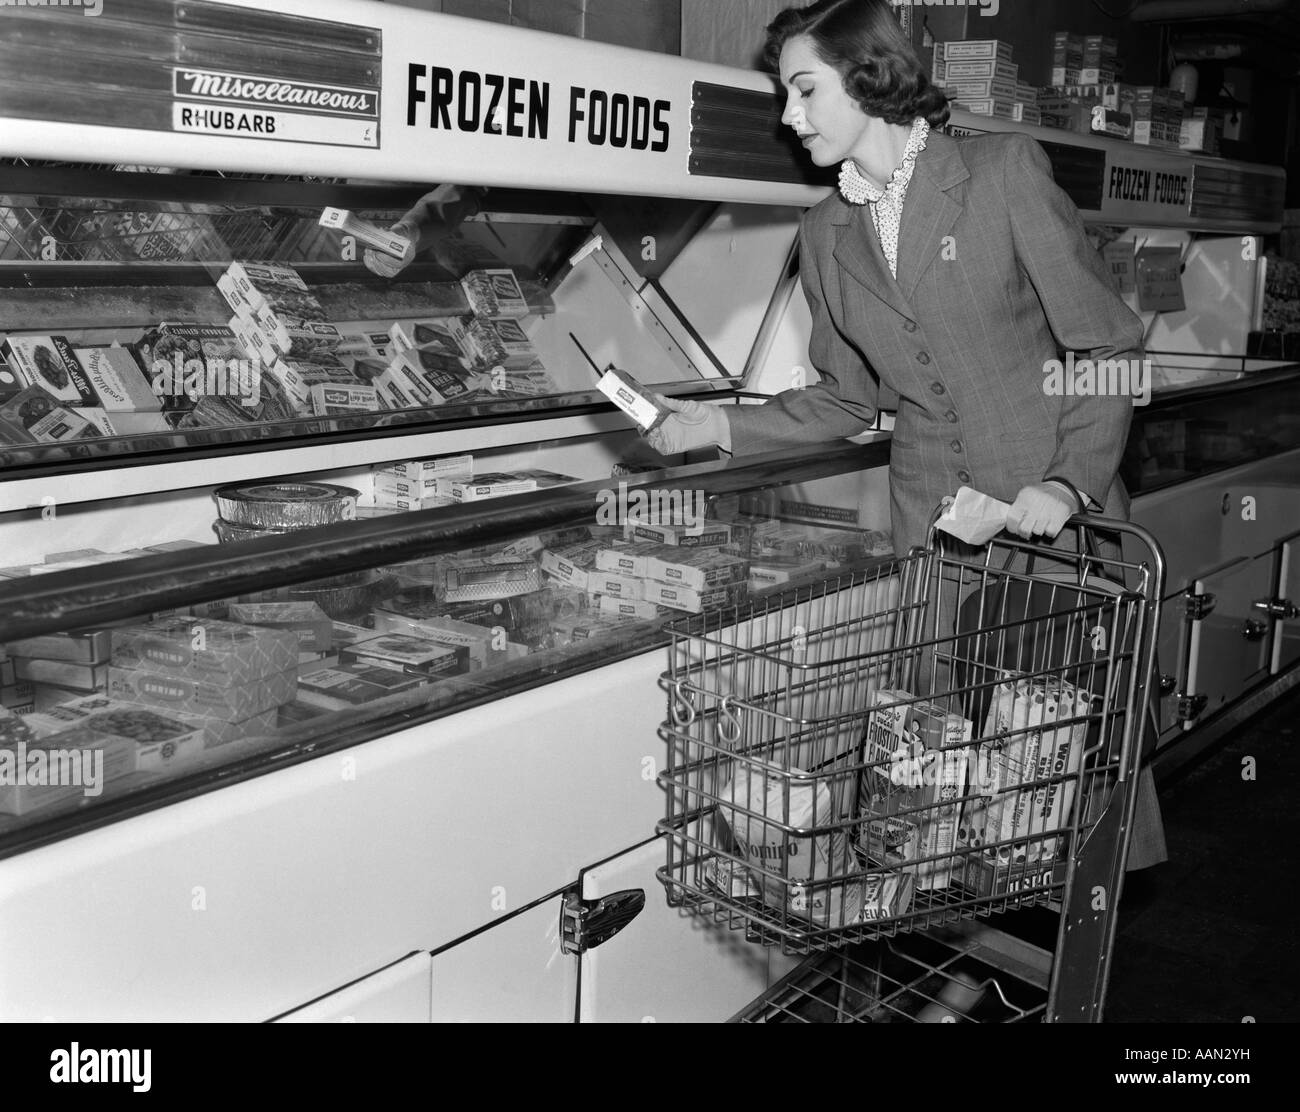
(858, 251)
(930, 208)
(929, 213)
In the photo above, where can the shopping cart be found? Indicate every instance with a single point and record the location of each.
(866, 769)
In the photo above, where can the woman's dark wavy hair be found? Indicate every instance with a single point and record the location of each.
(862, 39)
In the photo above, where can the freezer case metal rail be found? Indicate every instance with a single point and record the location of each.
(922, 743)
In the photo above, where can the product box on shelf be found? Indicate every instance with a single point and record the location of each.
(981, 69)
(698, 570)
(501, 343)
(494, 294)
(51, 363)
(439, 467)
(981, 88)
(234, 702)
(85, 760)
(588, 627)
(61, 673)
(253, 340)
(484, 646)
(776, 571)
(34, 414)
(612, 585)
(305, 620)
(330, 400)
(161, 737)
(630, 608)
(205, 649)
(276, 287)
(118, 382)
(700, 534)
(691, 600)
(626, 559)
(490, 485)
(473, 582)
(84, 646)
(419, 371)
(976, 48)
(1003, 109)
(909, 791)
(402, 652)
(447, 335)
(353, 685)
(570, 564)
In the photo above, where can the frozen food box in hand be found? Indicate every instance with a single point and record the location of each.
(494, 294)
(632, 398)
(51, 363)
(117, 380)
(207, 649)
(916, 757)
(402, 652)
(305, 620)
(1024, 745)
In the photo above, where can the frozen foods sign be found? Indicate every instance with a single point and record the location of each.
(213, 102)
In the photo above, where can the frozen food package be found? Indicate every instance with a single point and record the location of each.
(50, 362)
(494, 294)
(816, 875)
(277, 287)
(1024, 745)
(367, 232)
(36, 415)
(117, 380)
(632, 398)
(916, 758)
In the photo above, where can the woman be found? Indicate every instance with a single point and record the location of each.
(944, 272)
(943, 275)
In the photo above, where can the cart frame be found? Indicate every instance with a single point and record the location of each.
(771, 758)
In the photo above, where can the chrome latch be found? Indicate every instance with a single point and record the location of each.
(585, 924)
(1198, 606)
(1282, 608)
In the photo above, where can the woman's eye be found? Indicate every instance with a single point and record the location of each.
(805, 93)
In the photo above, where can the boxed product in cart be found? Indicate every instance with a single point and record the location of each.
(785, 826)
(1024, 745)
(911, 785)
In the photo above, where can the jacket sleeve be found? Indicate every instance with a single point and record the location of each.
(842, 404)
(1083, 310)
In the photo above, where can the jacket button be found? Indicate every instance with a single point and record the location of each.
(956, 445)
(964, 476)
(951, 415)
(923, 357)
(909, 326)
(936, 388)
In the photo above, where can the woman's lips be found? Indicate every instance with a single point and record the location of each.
(806, 139)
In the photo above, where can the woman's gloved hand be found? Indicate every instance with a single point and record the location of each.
(690, 425)
(1040, 509)
(386, 265)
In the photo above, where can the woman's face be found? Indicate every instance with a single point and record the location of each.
(829, 122)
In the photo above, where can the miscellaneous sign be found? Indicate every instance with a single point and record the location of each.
(1160, 280)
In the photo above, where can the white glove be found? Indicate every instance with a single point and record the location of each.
(386, 265)
(1040, 509)
(691, 425)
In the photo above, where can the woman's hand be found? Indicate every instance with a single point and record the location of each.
(386, 265)
(1040, 509)
(690, 425)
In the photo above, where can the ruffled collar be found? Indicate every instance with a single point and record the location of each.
(858, 190)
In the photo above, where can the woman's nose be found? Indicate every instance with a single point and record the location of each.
(794, 116)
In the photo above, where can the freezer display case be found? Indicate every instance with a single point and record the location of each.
(151, 675)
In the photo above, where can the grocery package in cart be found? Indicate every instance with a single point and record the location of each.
(917, 745)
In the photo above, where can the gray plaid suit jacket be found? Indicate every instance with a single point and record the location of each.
(995, 277)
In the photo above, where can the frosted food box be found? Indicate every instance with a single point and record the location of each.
(208, 649)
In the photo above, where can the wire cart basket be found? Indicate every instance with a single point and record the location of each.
(863, 771)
